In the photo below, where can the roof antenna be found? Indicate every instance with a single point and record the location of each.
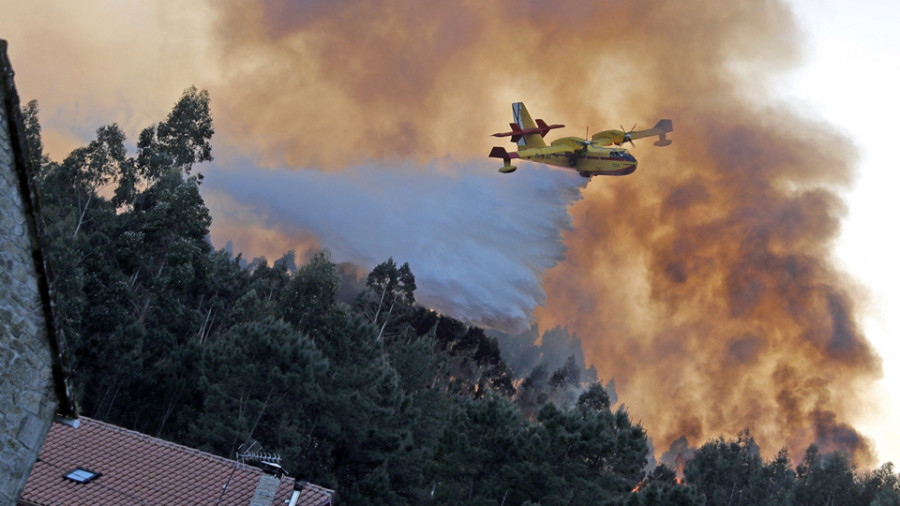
(250, 451)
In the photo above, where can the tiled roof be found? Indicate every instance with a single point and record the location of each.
(138, 469)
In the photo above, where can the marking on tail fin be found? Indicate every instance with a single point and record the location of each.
(517, 113)
(517, 117)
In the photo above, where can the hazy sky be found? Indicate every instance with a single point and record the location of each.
(710, 284)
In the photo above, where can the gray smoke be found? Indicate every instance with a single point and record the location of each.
(478, 241)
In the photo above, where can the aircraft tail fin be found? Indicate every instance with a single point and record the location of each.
(663, 127)
(660, 129)
(525, 131)
(534, 139)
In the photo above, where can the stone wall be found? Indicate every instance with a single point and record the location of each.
(30, 372)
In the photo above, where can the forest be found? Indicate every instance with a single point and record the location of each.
(351, 382)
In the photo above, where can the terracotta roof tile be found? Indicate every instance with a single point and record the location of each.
(138, 469)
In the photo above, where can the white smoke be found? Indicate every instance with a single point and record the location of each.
(477, 241)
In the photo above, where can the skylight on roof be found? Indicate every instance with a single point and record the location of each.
(81, 475)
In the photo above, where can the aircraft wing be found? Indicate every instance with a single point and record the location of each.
(603, 140)
(661, 128)
(547, 150)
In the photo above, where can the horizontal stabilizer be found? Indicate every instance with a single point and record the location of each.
(518, 132)
(498, 152)
(543, 127)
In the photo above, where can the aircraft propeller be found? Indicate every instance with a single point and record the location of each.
(628, 134)
(587, 142)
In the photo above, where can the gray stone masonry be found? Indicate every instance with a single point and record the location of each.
(29, 367)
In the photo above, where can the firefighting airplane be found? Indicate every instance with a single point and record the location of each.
(589, 158)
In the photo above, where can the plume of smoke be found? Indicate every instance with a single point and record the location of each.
(477, 241)
(707, 291)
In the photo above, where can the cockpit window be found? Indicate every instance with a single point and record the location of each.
(621, 154)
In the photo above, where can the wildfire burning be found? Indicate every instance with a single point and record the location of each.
(703, 283)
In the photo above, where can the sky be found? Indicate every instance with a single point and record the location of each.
(742, 277)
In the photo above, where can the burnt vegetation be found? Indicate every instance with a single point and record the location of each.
(351, 382)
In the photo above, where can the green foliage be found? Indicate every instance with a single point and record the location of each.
(775, 485)
(262, 382)
(489, 453)
(661, 488)
(389, 290)
(881, 487)
(724, 470)
(267, 283)
(482, 443)
(601, 453)
(474, 361)
(33, 135)
(421, 373)
(180, 141)
(130, 273)
(825, 480)
(732, 472)
(311, 293)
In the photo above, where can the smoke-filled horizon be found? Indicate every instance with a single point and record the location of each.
(703, 283)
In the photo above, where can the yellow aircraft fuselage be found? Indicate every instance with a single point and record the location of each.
(588, 160)
(599, 156)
